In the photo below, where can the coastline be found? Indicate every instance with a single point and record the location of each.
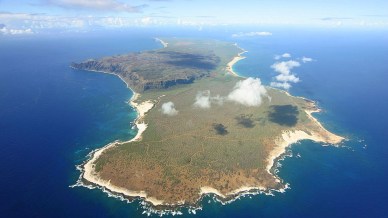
(229, 66)
(281, 144)
(91, 176)
(290, 137)
(287, 138)
(239, 57)
(165, 44)
(87, 168)
(284, 141)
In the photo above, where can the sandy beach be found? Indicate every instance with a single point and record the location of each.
(290, 137)
(281, 143)
(229, 66)
(287, 138)
(89, 173)
(209, 190)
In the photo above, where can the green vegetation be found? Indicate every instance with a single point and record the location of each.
(224, 146)
(181, 63)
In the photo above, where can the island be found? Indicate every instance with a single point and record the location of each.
(201, 128)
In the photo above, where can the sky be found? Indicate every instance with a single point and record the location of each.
(33, 16)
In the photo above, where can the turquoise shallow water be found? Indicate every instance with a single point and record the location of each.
(51, 117)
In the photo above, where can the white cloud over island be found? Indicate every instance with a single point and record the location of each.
(248, 92)
(283, 85)
(168, 108)
(202, 100)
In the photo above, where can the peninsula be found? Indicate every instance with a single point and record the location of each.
(201, 127)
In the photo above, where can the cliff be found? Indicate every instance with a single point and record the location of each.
(154, 69)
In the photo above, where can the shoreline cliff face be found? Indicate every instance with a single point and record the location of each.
(154, 69)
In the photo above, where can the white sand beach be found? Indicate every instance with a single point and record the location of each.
(286, 139)
(229, 66)
(89, 173)
(165, 44)
(290, 137)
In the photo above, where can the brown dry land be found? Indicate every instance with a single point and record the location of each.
(226, 146)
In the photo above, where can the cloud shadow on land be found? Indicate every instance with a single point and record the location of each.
(284, 115)
(220, 129)
(245, 120)
(189, 60)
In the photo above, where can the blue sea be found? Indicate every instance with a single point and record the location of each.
(52, 116)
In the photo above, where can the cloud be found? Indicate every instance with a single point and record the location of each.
(335, 18)
(168, 108)
(285, 67)
(146, 20)
(375, 15)
(284, 85)
(248, 92)
(285, 55)
(100, 5)
(202, 100)
(43, 22)
(285, 76)
(306, 59)
(7, 31)
(217, 100)
(251, 34)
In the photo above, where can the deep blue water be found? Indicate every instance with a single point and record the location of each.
(51, 117)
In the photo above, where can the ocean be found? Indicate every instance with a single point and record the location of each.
(52, 116)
